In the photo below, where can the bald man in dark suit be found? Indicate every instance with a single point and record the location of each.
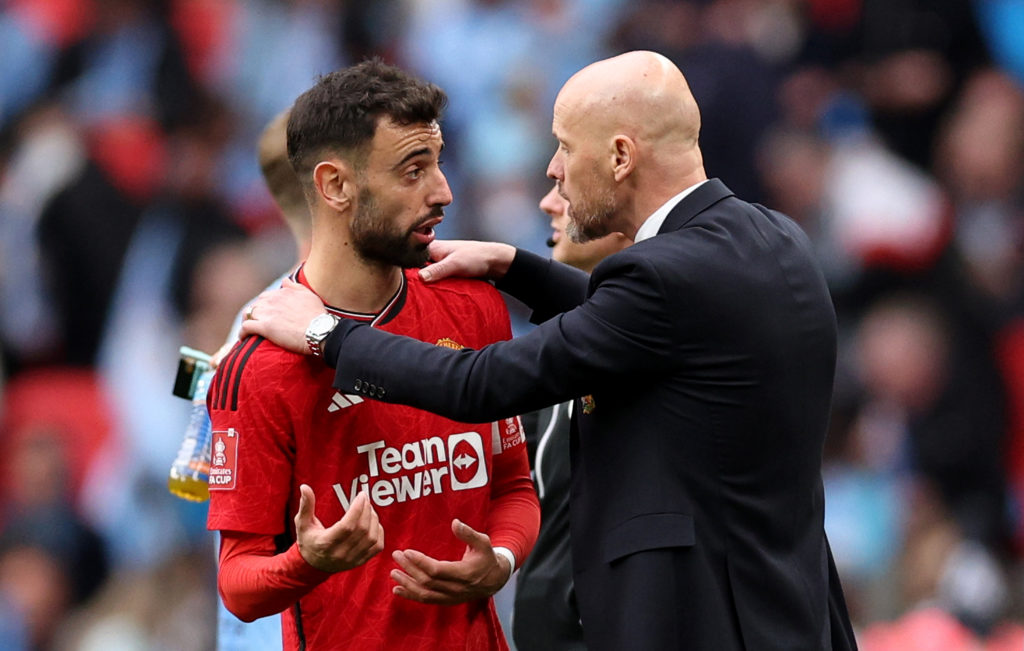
(705, 355)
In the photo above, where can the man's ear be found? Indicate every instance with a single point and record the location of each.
(335, 183)
(623, 157)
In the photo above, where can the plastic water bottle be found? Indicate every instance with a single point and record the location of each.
(190, 473)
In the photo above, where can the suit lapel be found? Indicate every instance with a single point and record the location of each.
(695, 203)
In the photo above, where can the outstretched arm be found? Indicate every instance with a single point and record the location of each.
(622, 329)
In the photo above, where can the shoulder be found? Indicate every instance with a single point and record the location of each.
(475, 305)
(245, 372)
(456, 290)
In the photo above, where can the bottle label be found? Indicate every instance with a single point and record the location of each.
(224, 460)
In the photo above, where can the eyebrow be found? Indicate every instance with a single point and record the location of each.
(413, 154)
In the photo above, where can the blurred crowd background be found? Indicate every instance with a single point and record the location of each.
(133, 220)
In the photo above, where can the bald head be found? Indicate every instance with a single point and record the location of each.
(640, 94)
(627, 129)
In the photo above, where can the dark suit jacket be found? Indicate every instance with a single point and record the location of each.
(546, 616)
(705, 356)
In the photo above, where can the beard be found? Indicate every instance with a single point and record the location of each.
(589, 218)
(376, 239)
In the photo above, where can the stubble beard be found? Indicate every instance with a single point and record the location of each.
(589, 218)
(377, 241)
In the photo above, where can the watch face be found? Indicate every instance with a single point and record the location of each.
(321, 325)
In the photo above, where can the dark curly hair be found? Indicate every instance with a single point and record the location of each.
(340, 113)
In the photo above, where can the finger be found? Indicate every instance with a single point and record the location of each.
(431, 571)
(417, 571)
(407, 588)
(434, 272)
(438, 250)
(354, 515)
(350, 524)
(471, 536)
(375, 531)
(369, 516)
(288, 283)
(251, 327)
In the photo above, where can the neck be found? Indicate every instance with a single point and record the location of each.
(653, 190)
(344, 280)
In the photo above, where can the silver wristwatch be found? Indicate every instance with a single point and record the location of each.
(321, 326)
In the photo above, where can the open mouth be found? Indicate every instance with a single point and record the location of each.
(425, 231)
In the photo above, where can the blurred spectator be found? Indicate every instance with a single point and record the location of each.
(85, 229)
(47, 156)
(50, 559)
(941, 418)
(980, 158)
(735, 83)
(906, 58)
(130, 62)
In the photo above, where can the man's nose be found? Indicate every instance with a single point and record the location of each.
(555, 167)
(442, 194)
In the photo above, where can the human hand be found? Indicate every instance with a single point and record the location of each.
(479, 574)
(218, 357)
(282, 316)
(467, 259)
(351, 541)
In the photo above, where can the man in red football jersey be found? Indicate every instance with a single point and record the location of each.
(452, 502)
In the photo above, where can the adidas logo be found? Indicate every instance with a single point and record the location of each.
(341, 400)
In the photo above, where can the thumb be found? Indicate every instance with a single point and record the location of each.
(305, 516)
(470, 536)
(288, 283)
(435, 271)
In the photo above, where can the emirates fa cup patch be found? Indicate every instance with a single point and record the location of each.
(507, 433)
(224, 459)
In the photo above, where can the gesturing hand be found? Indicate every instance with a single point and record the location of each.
(468, 259)
(351, 541)
(282, 316)
(479, 574)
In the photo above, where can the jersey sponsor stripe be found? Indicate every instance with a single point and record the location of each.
(249, 347)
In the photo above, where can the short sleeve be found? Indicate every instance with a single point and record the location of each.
(252, 451)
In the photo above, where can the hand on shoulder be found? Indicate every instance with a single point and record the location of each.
(468, 259)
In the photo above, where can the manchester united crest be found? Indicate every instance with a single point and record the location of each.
(449, 343)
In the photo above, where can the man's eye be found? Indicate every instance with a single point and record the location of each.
(415, 173)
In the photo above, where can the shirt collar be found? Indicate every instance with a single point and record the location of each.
(652, 224)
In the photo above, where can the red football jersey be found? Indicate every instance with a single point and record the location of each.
(279, 423)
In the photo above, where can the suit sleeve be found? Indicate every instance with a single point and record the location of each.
(546, 286)
(514, 517)
(624, 329)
